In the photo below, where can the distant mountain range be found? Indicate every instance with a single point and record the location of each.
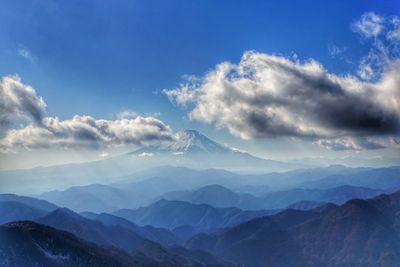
(305, 205)
(128, 194)
(219, 196)
(177, 233)
(379, 178)
(357, 233)
(191, 150)
(305, 184)
(95, 198)
(175, 214)
(216, 196)
(159, 235)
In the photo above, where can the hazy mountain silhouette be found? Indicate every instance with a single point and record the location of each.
(105, 198)
(219, 196)
(30, 201)
(305, 205)
(157, 181)
(192, 149)
(160, 235)
(379, 178)
(199, 217)
(95, 198)
(338, 195)
(216, 196)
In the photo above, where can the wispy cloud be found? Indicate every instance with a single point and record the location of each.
(336, 51)
(126, 114)
(383, 34)
(104, 155)
(25, 53)
(369, 25)
(394, 33)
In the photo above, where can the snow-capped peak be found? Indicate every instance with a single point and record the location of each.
(192, 139)
(187, 141)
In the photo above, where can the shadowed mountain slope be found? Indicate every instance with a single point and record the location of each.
(91, 230)
(26, 243)
(15, 211)
(357, 233)
(160, 235)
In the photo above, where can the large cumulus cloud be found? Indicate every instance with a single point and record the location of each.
(88, 132)
(270, 96)
(18, 100)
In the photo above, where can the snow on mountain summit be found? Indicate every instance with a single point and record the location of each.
(187, 141)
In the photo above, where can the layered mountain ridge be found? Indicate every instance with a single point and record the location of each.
(191, 149)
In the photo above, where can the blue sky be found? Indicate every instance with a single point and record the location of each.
(100, 58)
(106, 57)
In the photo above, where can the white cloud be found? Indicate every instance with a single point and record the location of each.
(104, 154)
(383, 35)
(394, 33)
(88, 132)
(365, 70)
(352, 143)
(146, 154)
(25, 53)
(126, 114)
(272, 96)
(335, 50)
(369, 25)
(18, 100)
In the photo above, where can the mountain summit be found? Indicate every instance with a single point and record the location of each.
(192, 140)
(195, 150)
(191, 149)
(187, 141)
